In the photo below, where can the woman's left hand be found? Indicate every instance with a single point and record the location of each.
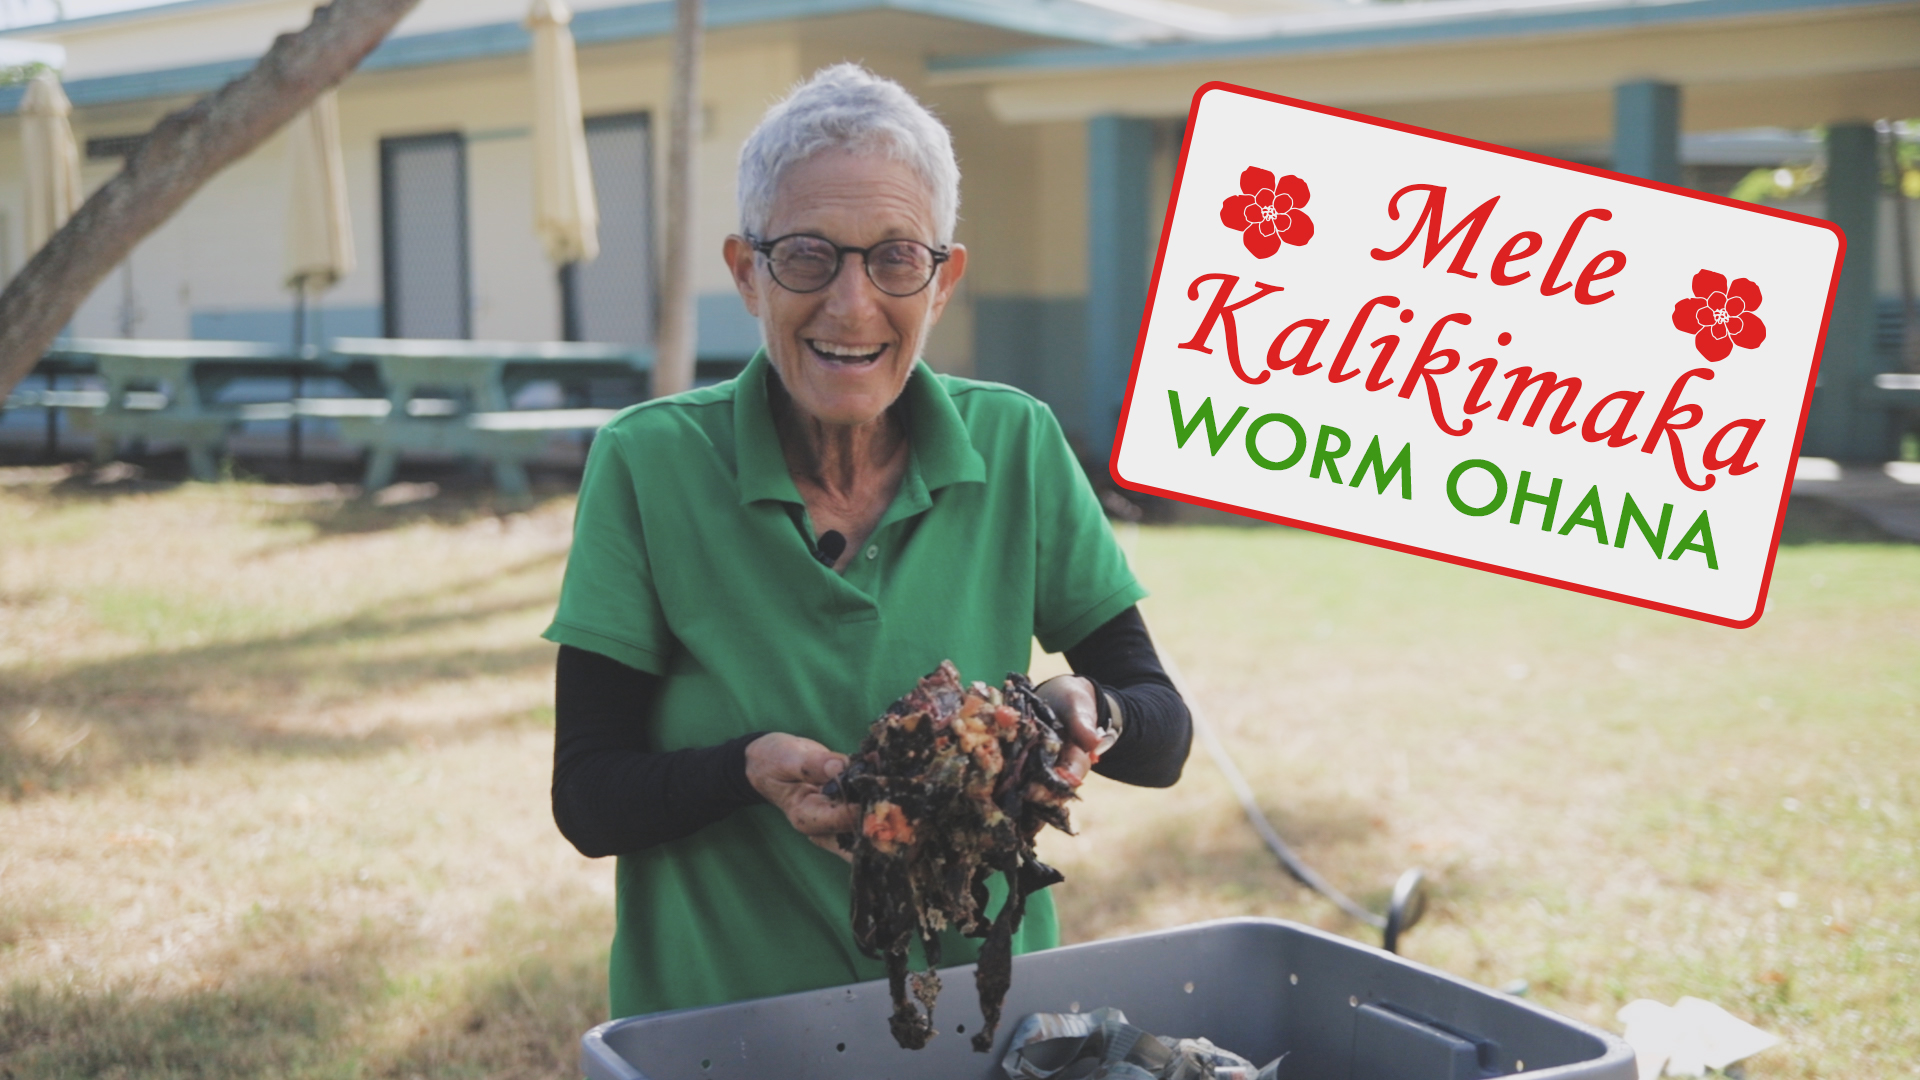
(1071, 698)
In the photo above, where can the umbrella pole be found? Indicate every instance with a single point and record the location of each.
(299, 353)
(675, 345)
(569, 302)
(53, 421)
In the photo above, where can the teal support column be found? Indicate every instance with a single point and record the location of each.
(1119, 162)
(1846, 424)
(1646, 130)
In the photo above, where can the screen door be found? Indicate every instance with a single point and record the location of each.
(423, 212)
(611, 299)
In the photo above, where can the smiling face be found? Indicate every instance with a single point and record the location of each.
(844, 353)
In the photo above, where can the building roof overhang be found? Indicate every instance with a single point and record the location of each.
(1368, 26)
(1427, 51)
(1098, 57)
(17, 53)
(1060, 21)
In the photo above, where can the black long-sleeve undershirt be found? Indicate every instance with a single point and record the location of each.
(613, 793)
(1157, 732)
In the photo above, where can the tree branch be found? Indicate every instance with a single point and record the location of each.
(185, 150)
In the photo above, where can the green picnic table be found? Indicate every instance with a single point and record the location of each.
(483, 375)
(453, 396)
(416, 396)
(169, 390)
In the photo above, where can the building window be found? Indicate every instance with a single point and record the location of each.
(423, 219)
(612, 298)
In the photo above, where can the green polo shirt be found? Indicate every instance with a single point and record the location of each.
(691, 560)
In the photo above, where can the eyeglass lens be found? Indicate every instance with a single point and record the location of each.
(807, 263)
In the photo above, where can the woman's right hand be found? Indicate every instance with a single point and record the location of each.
(789, 772)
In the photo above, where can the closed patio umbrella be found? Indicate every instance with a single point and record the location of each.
(319, 226)
(565, 214)
(52, 180)
(52, 159)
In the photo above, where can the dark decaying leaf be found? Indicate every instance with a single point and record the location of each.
(954, 781)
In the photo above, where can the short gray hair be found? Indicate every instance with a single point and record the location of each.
(846, 107)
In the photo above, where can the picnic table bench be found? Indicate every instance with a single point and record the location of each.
(453, 396)
(51, 369)
(57, 399)
(1897, 388)
(416, 396)
(169, 390)
(507, 439)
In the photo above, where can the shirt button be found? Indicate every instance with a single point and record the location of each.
(873, 552)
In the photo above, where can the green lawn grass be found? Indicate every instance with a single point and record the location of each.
(275, 777)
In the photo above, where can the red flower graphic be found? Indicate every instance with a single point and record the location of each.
(1269, 213)
(1720, 316)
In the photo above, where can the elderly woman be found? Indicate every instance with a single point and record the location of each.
(760, 567)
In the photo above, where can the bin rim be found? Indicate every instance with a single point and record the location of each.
(593, 1044)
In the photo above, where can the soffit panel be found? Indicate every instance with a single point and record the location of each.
(1848, 41)
(1546, 121)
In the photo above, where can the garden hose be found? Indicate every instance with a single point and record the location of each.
(1409, 900)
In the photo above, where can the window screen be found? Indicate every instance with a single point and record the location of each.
(423, 183)
(611, 299)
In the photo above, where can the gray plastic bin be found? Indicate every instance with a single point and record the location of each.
(1259, 987)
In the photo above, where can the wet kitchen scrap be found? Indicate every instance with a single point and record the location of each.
(953, 780)
(1609, 420)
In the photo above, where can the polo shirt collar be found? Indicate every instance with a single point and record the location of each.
(943, 451)
(762, 468)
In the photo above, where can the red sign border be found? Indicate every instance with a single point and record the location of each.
(1153, 287)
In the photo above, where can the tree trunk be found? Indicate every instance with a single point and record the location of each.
(183, 152)
(674, 349)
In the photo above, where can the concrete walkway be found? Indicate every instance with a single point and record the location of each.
(1888, 495)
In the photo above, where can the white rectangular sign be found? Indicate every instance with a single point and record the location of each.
(1478, 355)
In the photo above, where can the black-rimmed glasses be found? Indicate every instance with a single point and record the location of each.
(803, 263)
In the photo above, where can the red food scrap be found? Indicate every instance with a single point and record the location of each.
(887, 826)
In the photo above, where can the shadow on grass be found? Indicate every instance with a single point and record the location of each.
(353, 1006)
(178, 705)
(434, 497)
(523, 1018)
(1218, 854)
(278, 1017)
(325, 495)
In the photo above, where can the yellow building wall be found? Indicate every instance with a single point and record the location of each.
(221, 256)
(216, 267)
(1021, 138)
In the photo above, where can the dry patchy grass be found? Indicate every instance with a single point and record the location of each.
(276, 767)
(278, 777)
(1613, 803)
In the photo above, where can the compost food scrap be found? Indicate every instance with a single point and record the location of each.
(1101, 1045)
(954, 781)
